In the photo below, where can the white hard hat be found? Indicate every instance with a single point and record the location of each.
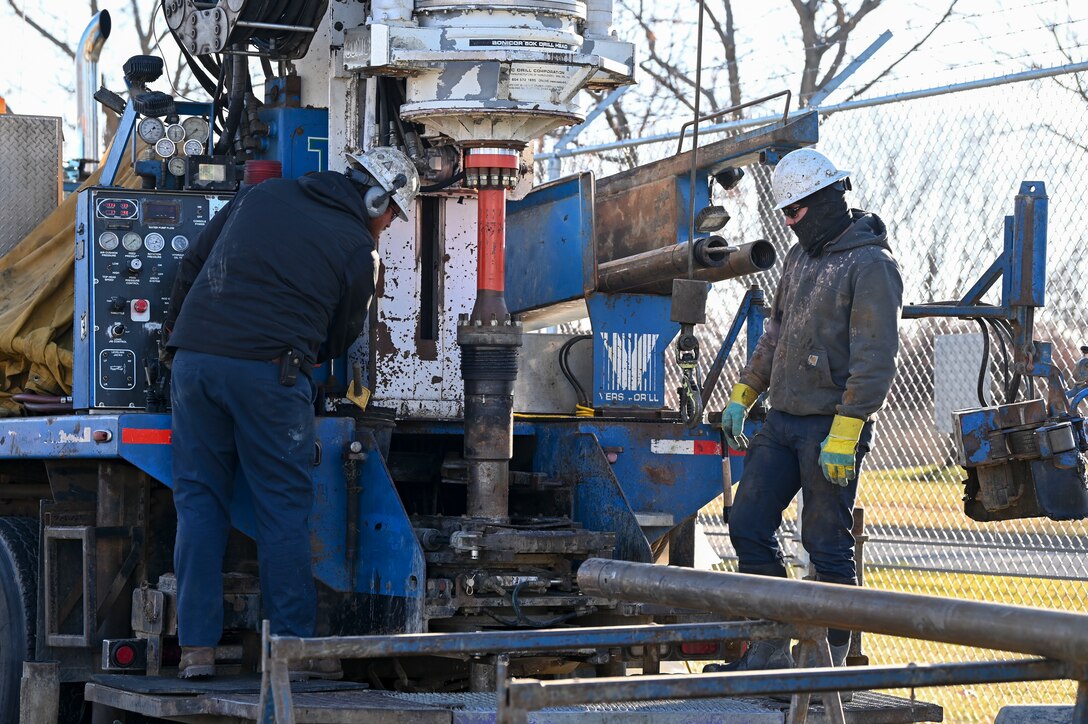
(385, 165)
(802, 173)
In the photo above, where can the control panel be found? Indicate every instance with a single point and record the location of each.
(129, 244)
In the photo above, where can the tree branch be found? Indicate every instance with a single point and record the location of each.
(141, 31)
(727, 35)
(916, 46)
(1066, 137)
(42, 31)
(670, 69)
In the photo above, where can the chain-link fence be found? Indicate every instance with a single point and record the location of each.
(942, 171)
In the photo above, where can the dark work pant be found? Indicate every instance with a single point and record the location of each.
(228, 414)
(784, 458)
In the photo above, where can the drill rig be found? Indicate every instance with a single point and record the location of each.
(491, 458)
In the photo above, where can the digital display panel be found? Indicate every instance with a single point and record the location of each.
(117, 209)
(162, 212)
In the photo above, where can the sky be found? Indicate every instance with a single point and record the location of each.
(983, 38)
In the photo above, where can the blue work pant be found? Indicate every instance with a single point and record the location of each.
(231, 414)
(784, 458)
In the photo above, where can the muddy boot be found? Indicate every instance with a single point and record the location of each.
(768, 654)
(196, 662)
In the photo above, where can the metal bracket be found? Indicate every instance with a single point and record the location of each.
(57, 610)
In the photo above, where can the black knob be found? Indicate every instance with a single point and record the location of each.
(116, 330)
(118, 304)
(134, 266)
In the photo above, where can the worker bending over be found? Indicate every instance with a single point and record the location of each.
(826, 359)
(279, 280)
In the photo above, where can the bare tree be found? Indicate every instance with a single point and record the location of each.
(149, 39)
(821, 42)
(825, 26)
(1075, 83)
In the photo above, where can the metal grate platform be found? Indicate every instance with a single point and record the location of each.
(866, 708)
(333, 702)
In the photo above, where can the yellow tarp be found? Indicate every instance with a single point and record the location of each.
(36, 304)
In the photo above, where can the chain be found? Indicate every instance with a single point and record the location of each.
(691, 400)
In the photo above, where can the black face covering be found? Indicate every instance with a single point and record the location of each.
(828, 216)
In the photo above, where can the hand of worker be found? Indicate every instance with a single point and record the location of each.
(741, 400)
(838, 451)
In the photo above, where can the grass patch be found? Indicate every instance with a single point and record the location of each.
(973, 703)
(969, 704)
(926, 497)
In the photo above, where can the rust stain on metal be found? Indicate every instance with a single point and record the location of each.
(660, 475)
(383, 339)
(426, 349)
(379, 288)
(637, 220)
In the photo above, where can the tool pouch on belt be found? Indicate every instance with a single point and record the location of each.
(290, 365)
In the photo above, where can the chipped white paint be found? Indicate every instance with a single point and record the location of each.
(416, 386)
(468, 85)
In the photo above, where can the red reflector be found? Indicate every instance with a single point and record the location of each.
(138, 436)
(700, 648)
(124, 655)
(706, 447)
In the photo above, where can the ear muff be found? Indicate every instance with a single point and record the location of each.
(376, 201)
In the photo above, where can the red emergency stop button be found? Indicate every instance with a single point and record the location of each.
(139, 306)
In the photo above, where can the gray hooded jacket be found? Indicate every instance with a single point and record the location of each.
(831, 340)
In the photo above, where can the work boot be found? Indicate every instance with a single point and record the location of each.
(768, 654)
(838, 658)
(303, 669)
(839, 652)
(196, 662)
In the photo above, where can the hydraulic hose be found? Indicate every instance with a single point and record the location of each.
(238, 75)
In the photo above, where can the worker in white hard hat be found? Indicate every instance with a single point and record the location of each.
(826, 361)
(279, 280)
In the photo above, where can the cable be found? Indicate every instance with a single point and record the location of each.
(985, 366)
(1003, 346)
(445, 184)
(583, 408)
(239, 74)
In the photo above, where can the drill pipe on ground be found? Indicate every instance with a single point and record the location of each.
(1054, 634)
(652, 272)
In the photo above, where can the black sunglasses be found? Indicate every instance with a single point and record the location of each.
(791, 212)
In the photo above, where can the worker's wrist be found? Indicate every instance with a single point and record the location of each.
(848, 427)
(744, 395)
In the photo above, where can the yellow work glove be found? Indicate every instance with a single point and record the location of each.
(838, 451)
(741, 400)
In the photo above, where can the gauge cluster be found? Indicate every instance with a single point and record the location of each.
(175, 141)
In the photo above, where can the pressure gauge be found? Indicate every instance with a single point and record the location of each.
(175, 132)
(108, 241)
(151, 129)
(154, 242)
(132, 241)
(165, 147)
(176, 166)
(196, 128)
(192, 147)
(179, 243)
